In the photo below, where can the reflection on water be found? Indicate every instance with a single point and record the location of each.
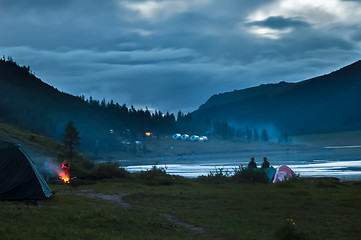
(341, 162)
(341, 147)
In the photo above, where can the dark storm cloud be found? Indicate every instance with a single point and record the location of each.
(279, 22)
(172, 55)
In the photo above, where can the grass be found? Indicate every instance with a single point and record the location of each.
(41, 148)
(33, 143)
(320, 209)
(67, 216)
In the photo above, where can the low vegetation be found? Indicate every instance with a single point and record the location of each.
(238, 175)
(68, 216)
(230, 205)
(319, 208)
(304, 208)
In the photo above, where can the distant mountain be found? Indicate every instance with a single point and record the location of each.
(328, 103)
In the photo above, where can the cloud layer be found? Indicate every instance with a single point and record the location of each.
(175, 54)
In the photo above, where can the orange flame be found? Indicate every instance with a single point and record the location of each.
(64, 172)
(64, 177)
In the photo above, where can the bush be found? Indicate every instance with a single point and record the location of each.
(288, 231)
(156, 176)
(239, 175)
(80, 166)
(244, 174)
(219, 176)
(327, 182)
(109, 170)
(153, 173)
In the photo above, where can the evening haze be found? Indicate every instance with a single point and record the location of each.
(173, 55)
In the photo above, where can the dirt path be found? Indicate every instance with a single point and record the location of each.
(119, 200)
(176, 220)
(114, 198)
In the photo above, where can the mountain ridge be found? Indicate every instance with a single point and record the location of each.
(315, 105)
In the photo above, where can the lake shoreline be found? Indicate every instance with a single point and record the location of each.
(340, 163)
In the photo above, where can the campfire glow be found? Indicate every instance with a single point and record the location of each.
(64, 177)
(64, 172)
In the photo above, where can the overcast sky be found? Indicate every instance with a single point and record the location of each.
(173, 55)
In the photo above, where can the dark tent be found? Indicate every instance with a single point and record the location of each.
(19, 177)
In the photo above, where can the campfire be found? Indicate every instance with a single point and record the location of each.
(64, 172)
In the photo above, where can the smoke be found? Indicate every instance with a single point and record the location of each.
(51, 170)
(272, 131)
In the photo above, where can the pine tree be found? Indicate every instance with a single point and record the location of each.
(180, 116)
(71, 136)
(248, 135)
(265, 137)
(284, 137)
(255, 135)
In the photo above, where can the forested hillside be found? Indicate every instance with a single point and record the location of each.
(29, 103)
(328, 103)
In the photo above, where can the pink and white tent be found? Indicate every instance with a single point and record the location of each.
(283, 173)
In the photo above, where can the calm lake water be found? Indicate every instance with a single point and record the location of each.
(343, 162)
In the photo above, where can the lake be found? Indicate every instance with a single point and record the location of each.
(343, 162)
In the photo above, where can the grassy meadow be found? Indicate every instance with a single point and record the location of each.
(303, 209)
(319, 208)
(68, 216)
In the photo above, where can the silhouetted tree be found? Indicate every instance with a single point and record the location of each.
(71, 137)
(284, 137)
(255, 135)
(248, 134)
(180, 115)
(265, 137)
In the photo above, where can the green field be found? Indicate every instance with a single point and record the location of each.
(319, 209)
(302, 209)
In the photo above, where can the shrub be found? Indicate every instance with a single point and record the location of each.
(109, 170)
(327, 182)
(80, 166)
(153, 173)
(239, 175)
(287, 231)
(156, 176)
(219, 176)
(244, 174)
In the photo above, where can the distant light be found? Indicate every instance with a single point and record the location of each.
(194, 138)
(148, 134)
(176, 136)
(185, 137)
(203, 139)
(111, 131)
